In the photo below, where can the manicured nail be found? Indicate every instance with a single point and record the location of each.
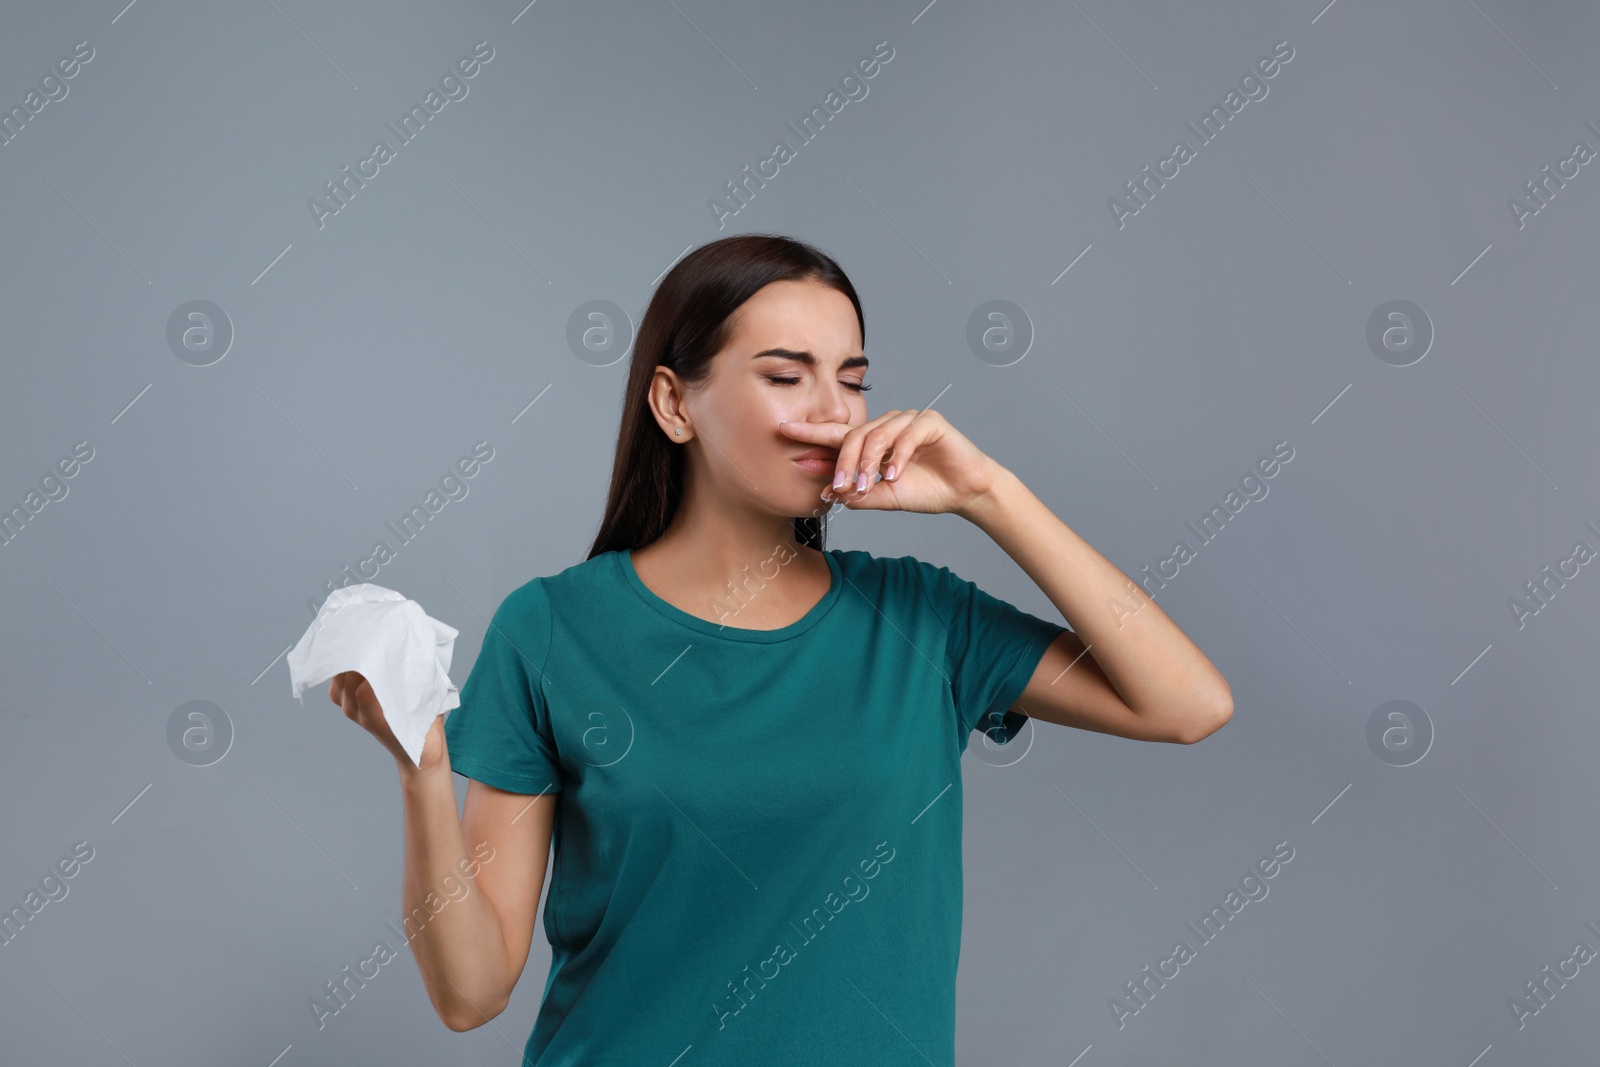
(889, 474)
(861, 481)
(839, 480)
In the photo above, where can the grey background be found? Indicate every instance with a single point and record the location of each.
(1229, 314)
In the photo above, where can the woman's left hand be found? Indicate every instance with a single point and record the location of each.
(927, 464)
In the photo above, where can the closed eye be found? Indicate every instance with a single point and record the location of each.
(777, 379)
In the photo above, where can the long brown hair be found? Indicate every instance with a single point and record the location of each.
(687, 323)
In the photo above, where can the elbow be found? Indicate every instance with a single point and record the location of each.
(1203, 724)
(463, 1017)
(463, 1022)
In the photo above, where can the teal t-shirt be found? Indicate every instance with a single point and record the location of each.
(757, 843)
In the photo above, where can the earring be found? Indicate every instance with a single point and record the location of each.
(677, 431)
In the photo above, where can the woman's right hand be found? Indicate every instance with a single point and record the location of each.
(352, 692)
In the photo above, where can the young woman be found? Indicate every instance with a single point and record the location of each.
(746, 747)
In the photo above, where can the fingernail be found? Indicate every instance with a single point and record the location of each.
(861, 481)
(839, 480)
(889, 474)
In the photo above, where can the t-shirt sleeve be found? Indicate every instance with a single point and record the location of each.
(501, 732)
(991, 651)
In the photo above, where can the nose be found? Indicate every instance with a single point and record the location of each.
(836, 406)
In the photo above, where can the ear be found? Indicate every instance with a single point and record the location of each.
(665, 397)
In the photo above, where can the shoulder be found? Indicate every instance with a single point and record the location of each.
(530, 602)
(903, 577)
(860, 560)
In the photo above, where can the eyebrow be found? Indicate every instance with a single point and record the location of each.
(807, 358)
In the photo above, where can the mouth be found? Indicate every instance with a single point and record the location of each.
(817, 461)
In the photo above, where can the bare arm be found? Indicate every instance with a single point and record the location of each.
(1146, 679)
(473, 949)
(1142, 677)
(472, 882)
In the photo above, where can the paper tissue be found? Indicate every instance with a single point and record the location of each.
(391, 642)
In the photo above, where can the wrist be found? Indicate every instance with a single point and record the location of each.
(986, 507)
(416, 780)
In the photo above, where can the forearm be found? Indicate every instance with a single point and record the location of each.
(458, 942)
(1155, 668)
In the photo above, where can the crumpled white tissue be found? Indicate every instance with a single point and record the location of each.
(392, 643)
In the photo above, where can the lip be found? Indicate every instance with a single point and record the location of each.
(817, 461)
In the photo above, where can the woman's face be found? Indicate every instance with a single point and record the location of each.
(794, 354)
